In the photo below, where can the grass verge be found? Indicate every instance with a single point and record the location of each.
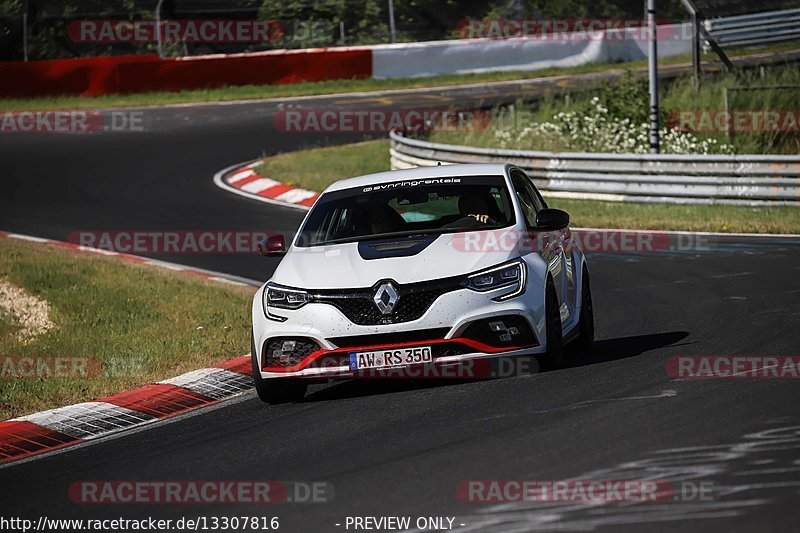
(316, 168)
(135, 324)
(256, 92)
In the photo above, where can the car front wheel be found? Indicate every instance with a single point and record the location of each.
(554, 356)
(586, 325)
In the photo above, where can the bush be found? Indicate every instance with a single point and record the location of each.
(597, 129)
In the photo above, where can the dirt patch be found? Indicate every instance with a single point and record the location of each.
(32, 313)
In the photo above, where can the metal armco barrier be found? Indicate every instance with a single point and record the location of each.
(756, 28)
(679, 179)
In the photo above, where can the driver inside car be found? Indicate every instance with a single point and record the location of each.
(383, 219)
(475, 206)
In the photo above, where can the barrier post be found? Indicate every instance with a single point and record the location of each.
(158, 29)
(25, 30)
(392, 29)
(652, 62)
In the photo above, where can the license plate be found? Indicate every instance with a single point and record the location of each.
(390, 358)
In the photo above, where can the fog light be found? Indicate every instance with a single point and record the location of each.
(288, 346)
(287, 351)
(504, 332)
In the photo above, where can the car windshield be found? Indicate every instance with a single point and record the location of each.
(427, 206)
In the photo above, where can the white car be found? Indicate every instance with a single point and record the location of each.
(434, 266)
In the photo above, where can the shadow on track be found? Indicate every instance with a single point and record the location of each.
(604, 351)
(371, 387)
(607, 350)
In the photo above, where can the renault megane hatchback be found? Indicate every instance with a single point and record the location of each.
(434, 266)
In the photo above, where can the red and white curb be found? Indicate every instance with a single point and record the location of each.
(243, 180)
(49, 430)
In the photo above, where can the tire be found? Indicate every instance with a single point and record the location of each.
(554, 356)
(275, 390)
(585, 339)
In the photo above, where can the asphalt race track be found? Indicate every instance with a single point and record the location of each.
(401, 448)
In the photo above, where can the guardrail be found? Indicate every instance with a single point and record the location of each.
(680, 179)
(756, 28)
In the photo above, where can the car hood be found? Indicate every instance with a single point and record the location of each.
(342, 265)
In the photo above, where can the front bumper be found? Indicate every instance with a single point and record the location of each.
(452, 313)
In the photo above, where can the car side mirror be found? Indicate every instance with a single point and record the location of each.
(552, 219)
(272, 245)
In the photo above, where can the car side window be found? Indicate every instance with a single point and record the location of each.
(529, 201)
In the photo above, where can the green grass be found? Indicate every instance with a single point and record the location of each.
(144, 324)
(681, 96)
(628, 100)
(7, 324)
(253, 92)
(316, 168)
(718, 218)
(256, 92)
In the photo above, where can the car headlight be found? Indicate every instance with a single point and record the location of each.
(511, 275)
(284, 297)
(278, 297)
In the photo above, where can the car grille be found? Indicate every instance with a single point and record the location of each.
(388, 339)
(414, 300)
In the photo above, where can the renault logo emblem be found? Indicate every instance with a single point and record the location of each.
(386, 298)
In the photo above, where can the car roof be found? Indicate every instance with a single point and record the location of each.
(443, 171)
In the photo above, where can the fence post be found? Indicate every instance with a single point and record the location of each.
(25, 30)
(392, 29)
(158, 29)
(695, 40)
(652, 62)
(696, 50)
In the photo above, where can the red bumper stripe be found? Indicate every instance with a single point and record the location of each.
(478, 347)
